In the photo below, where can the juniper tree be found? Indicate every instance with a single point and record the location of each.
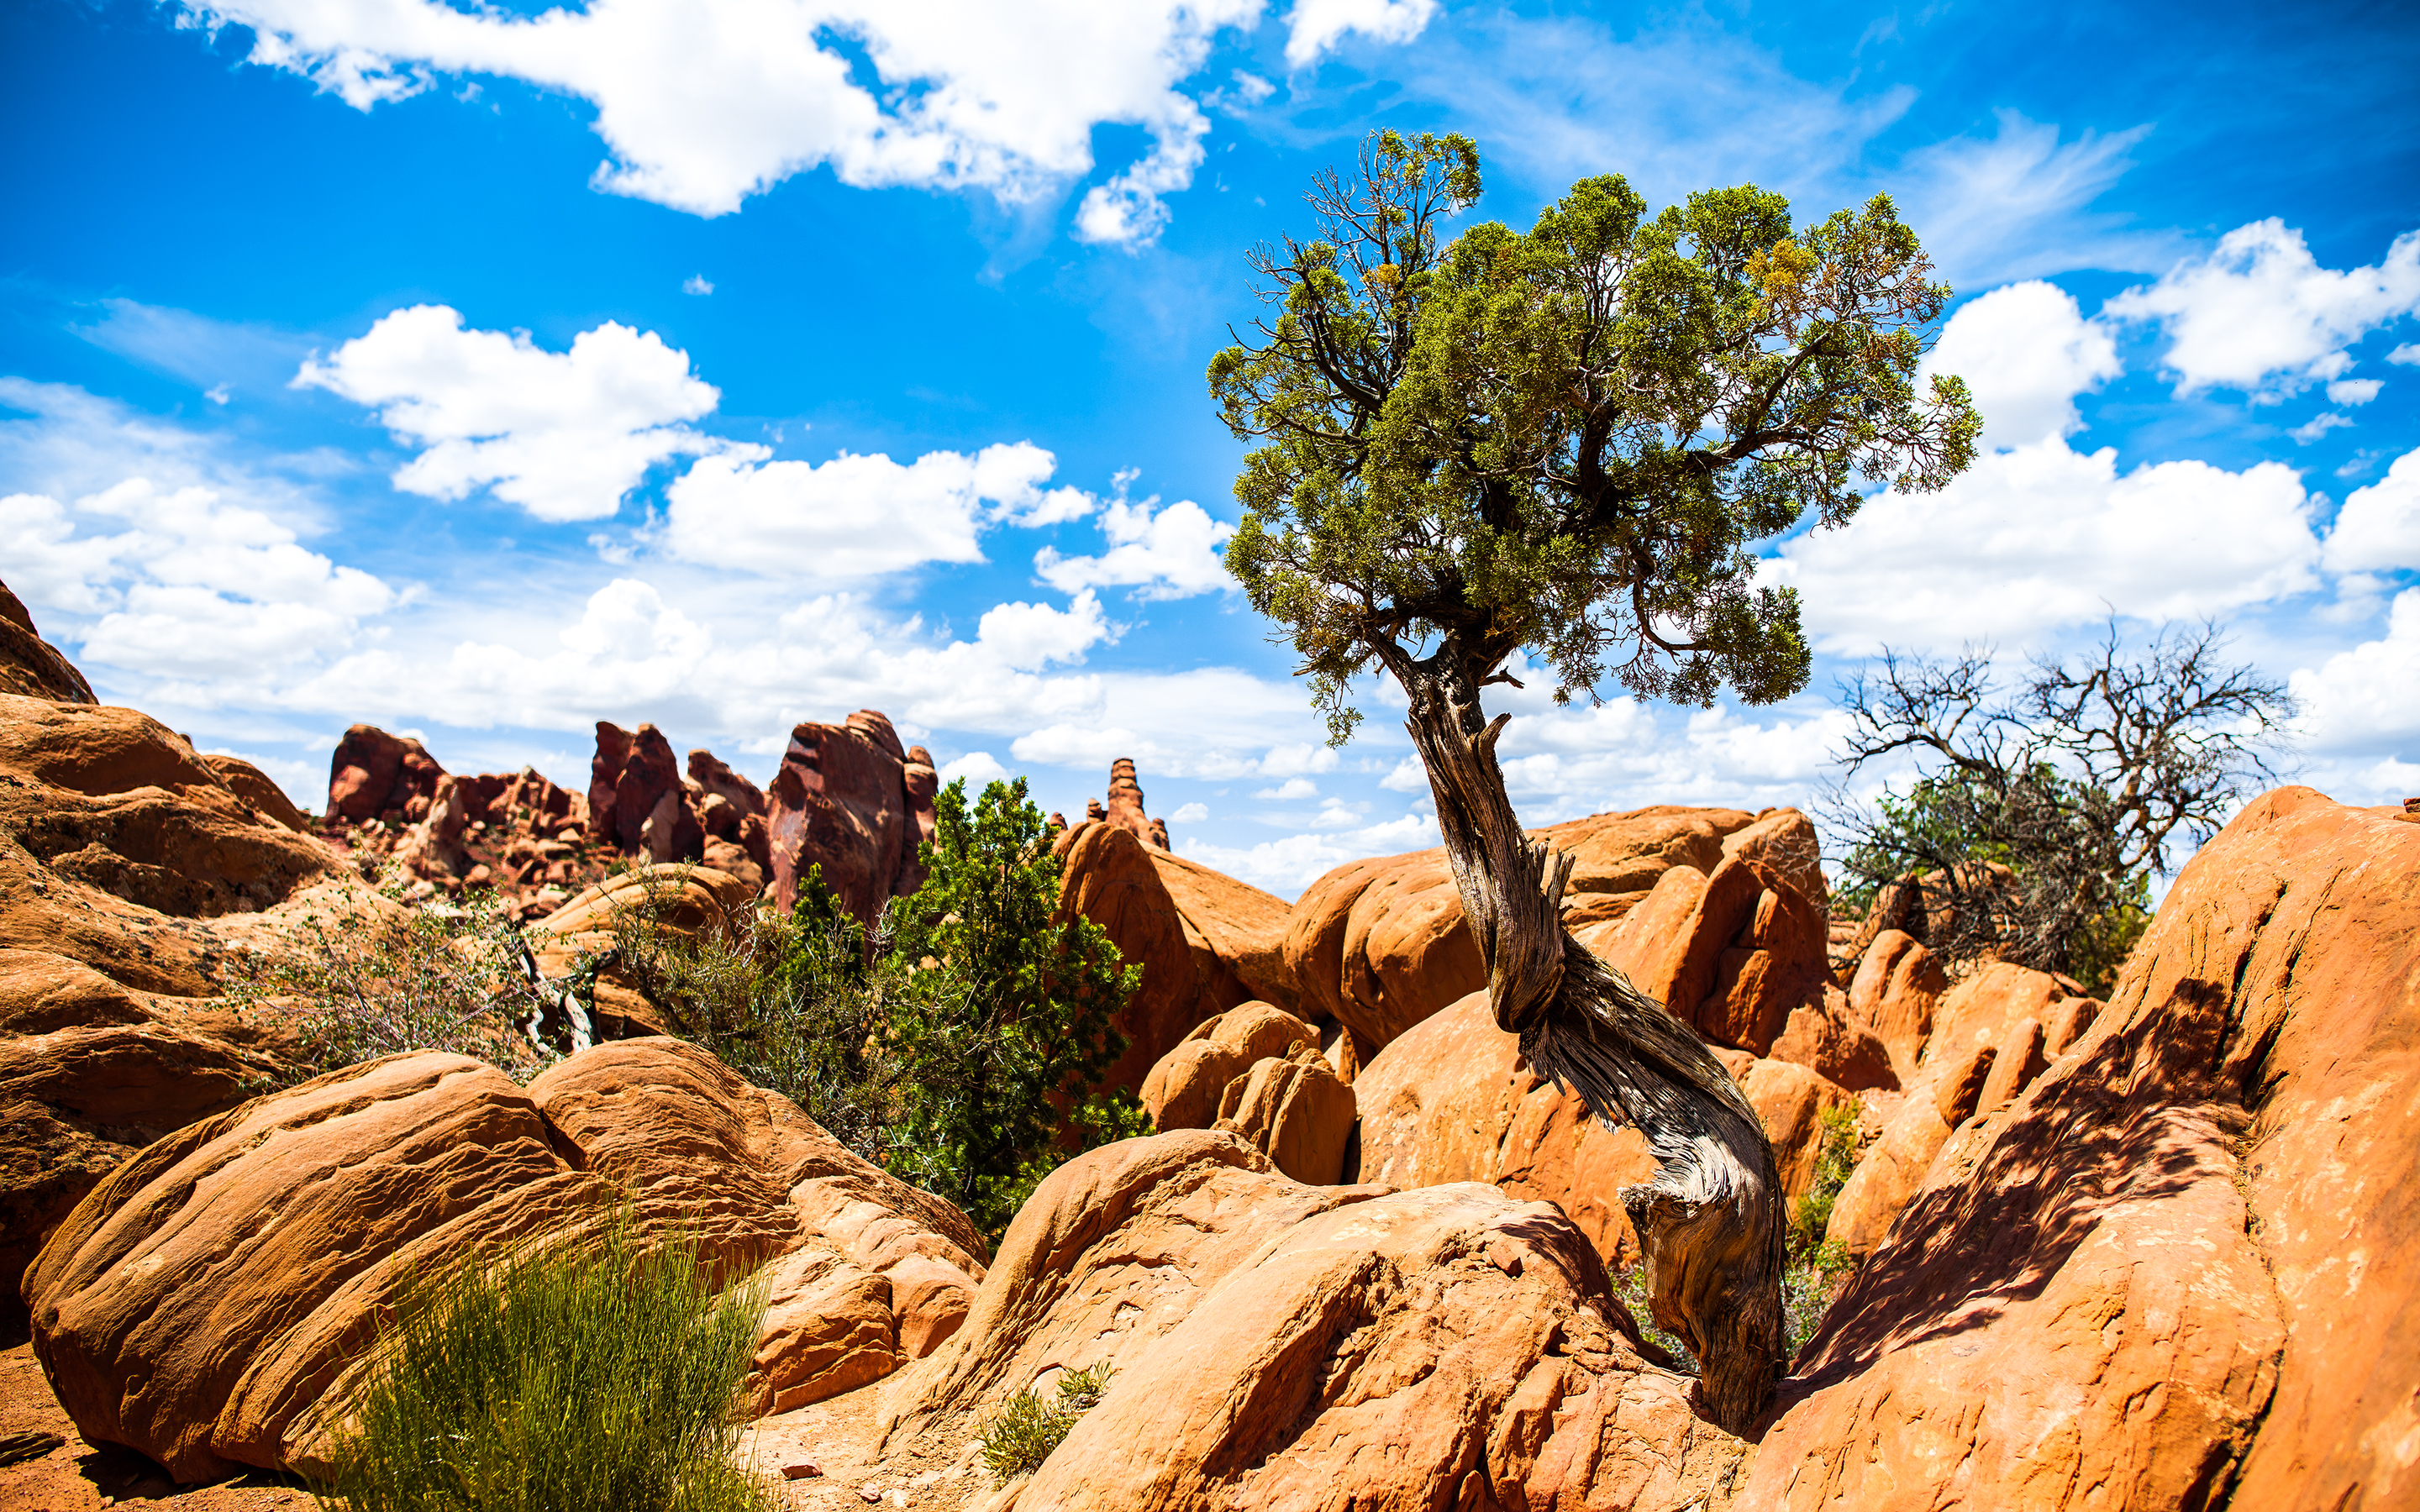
(1566, 443)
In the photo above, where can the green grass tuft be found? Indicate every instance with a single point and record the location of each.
(599, 1375)
(1028, 1429)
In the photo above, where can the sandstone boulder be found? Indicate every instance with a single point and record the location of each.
(1896, 988)
(1119, 883)
(839, 802)
(1289, 1346)
(31, 666)
(252, 786)
(1187, 1085)
(1827, 1037)
(1452, 1101)
(376, 776)
(2167, 1274)
(205, 1303)
(1295, 1110)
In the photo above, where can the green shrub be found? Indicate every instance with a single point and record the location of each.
(596, 1374)
(1630, 1287)
(960, 1042)
(444, 977)
(1027, 1429)
(1818, 1267)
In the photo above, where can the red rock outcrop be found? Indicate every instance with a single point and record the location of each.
(1256, 1071)
(1288, 1347)
(132, 873)
(206, 1301)
(1451, 1100)
(839, 802)
(1380, 945)
(376, 776)
(31, 666)
(1829, 1038)
(1206, 941)
(2168, 1272)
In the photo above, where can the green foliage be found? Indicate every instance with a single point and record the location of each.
(1835, 1157)
(960, 1043)
(1630, 1289)
(1025, 1034)
(598, 1373)
(1818, 1268)
(441, 977)
(1016, 1441)
(1569, 439)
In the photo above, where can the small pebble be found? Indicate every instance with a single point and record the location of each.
(801, 1470)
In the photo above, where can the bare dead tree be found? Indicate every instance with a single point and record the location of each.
(2040, 809)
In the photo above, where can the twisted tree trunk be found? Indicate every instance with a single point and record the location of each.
(1711, 1222)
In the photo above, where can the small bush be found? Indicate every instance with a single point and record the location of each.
(445, 977)
(1818, 1267)
(1028, 1429)
(1630, 1285)
(600, 1374)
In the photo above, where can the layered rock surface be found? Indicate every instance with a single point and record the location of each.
(204, 1301)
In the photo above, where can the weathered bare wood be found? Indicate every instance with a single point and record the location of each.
(1711, 1224)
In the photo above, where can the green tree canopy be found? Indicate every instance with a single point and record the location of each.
(1570, 439)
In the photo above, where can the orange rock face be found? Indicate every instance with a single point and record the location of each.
(1452, 1101)
(839, 802)
(207, 1298)
(1290, 1347)
(1380, 945)
(1189, 926)
(31, 666)
(2167, 1272)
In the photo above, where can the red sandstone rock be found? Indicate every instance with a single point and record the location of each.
(604, 780)
(839, 802)
(1452, 1101)
(649, 774)
(1289, 1346)
(1896, 988)
(373, 775)
(2168, 1272)
(1108, 875)
(1829, 1038)
(1185, 1085)
(1295, 1110)
(31, 666)
(251, 784)
(204, 1304)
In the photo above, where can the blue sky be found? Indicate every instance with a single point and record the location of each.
(485, 372)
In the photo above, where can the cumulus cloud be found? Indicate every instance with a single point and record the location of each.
(976, 768)
(704, 105)
(1292, 790)
(2027, 351)
(854, 515)
(2261, 316)
(2042, 537)
(1317, 27)
(2359, 699)
(2379, 528)
(565, 435)
(1171, 554)
(1288, 865)
(1192, 813)
(183, 583)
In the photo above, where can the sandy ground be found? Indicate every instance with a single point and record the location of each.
(837, 1436)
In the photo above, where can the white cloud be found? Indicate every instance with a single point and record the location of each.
(703, 105)
(1030, 636)
(1287, 866)
(1295, 761)
(1213, 723)
(696, 284)
(2408, 354)
(2027, 351)
(2379, 528)
(1192, 813)
(2260, 315)
(2353, 391)
(2018, 204)
(976, 768)
(186, 585)
(1172, 554)
(1317, 27)
(1292, 790)
(1408, 776)
(2318, 425)
(855, 516)
(2359, 698)
(565, 435)
(2044, 536)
